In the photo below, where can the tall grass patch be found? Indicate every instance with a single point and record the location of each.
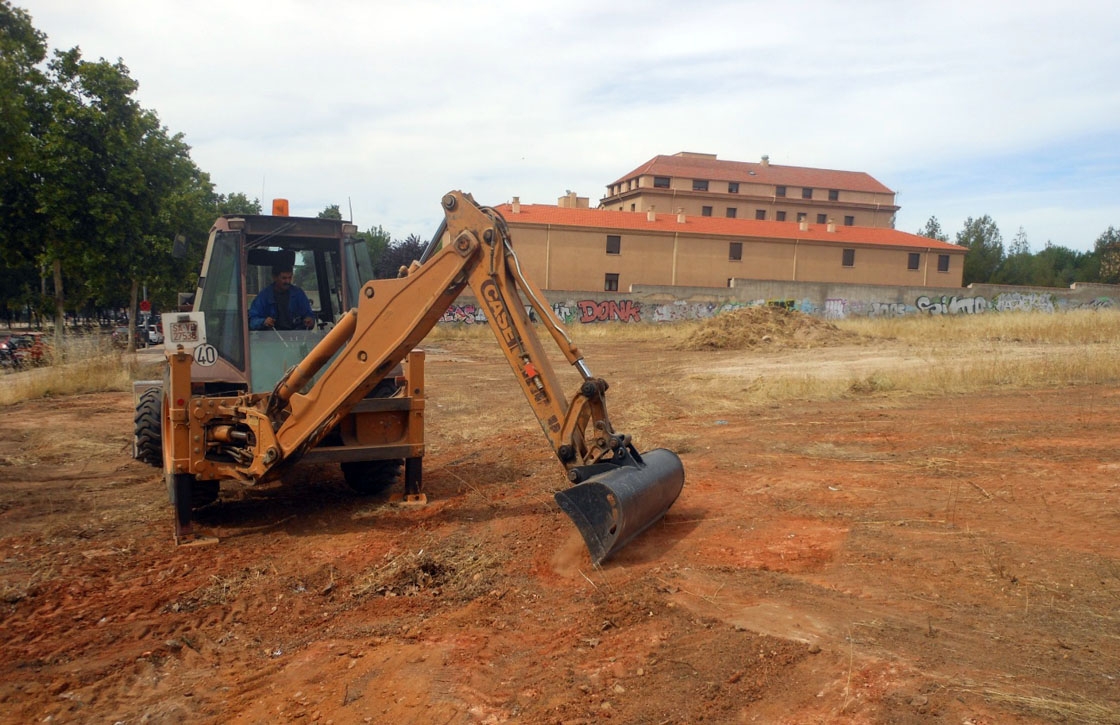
(87, 365)
(1073, 327)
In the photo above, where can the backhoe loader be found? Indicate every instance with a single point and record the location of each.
(245, 405)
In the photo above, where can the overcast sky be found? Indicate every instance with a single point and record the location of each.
(963, 108)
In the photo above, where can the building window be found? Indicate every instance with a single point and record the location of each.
(943, 263)
(822, 218)
(849, 258)
(732, 212)
(614, 244)
(780, 191)
(661, 182)
(914, 261)
(735, 252)
(705, 211)
(699, 184)
(849, 221)
(760, 214)
(781, 216)
(733, 187)
(807, 193)
(834, 195)
(610, 283)
(800, 217)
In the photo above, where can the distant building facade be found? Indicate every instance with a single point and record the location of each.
(572, 247)
(702, 185)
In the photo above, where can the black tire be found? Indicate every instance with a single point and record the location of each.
(147, 440)
(370, 477)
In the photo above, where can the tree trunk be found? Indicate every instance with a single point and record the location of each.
(132, 307)
(59, 311)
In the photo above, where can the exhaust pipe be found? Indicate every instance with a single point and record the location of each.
(622, 498)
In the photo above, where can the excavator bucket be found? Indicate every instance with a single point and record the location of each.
(618, 502)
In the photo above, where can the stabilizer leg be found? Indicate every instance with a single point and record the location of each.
(180, 490)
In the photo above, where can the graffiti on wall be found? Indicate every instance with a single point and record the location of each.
(594, 311)
(609, 311)
(1023, 302)
(1100, 303)
(951, 305)
(463, 314)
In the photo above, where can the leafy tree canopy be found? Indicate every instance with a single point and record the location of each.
(398, 254)
(932, 230)
(985, 249)
(236, 203)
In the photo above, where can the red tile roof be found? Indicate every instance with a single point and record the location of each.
(693, 167)
(699, 226)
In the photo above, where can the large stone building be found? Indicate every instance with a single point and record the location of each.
(572, 247)
(693, 220)
(702, 185)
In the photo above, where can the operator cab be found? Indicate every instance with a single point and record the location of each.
(329, 263)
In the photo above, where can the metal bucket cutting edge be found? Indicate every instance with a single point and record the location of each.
(611, 508)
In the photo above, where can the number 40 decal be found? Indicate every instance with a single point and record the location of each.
(206, 355)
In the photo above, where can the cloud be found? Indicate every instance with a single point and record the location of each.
(388, 105)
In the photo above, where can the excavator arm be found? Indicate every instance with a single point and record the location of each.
(617, 491)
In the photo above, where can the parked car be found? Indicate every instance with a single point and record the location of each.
(154, 334)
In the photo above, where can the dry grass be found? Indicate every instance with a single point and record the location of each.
(946, 371)
(1074, 327)
(886, 358)
(1060, 707)
(90, 365)
(955, 354)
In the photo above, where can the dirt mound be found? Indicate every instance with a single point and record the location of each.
(776, 327)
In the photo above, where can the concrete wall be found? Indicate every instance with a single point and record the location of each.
(827, 300)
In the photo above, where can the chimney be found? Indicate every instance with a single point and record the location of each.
(650, 215)
(765, 161)
(803, 225)
(680, 216)
(516, 205)
(831, 225)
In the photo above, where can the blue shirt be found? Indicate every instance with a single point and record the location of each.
(265, 306)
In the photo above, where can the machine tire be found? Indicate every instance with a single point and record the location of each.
(147, 443)
(370, 477)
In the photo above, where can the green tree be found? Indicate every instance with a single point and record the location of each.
(1057, 266)
(932, 230)
(23, 114)
(1107, 252)
(115, 188)
(398, 254)
(377, 240)
(1018, 266)
(236, 203)
(331, 212)
(985, 249)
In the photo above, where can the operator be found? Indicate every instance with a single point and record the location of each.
(281, 305)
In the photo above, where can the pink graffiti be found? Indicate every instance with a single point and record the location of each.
(621, 310)
(468, 314)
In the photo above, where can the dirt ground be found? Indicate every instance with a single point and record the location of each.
(872, 560)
